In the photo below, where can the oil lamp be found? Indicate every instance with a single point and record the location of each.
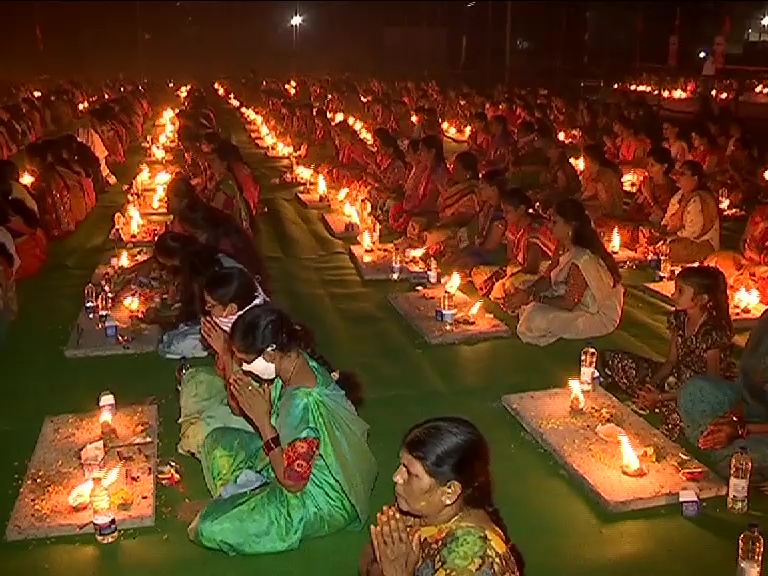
(472, 314)
(615, 244)
(630, 463)
(578, 403)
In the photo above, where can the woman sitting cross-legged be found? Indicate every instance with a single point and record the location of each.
(720, 415)
(305, 470)
(700, 344)
(580, 295)
(445, 522)
(204, 400)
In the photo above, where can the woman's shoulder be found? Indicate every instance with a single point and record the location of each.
(467, 548)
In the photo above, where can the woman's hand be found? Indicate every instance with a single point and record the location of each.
(397, 548)
(719, 434)
(214, 335)
(649, 398)
(255, 400)
(516, 300)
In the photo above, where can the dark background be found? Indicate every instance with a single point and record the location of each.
(391, 39)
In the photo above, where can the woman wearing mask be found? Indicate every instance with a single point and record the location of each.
(305, 470)
(205, 401)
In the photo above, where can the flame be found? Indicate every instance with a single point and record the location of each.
(577, 395)
(26, 179)
(163, 178)
(158, 152)
(577, 163)
(416, 252)
(132, 303)
(630, 181)
(746, 298)
(343, 193)
(37, 93)
(136, 219)
(629, 459)
(475, 309)
(159, 196)
(615, 245)
(124, 261)
(765, 175)
(414, 119)
(453, 283)
(322, 187)
(354, 215)
(366, 240)
(81, 494)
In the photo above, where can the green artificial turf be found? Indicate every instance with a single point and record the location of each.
(558, 529)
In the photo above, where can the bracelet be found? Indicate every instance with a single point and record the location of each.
(271, 445)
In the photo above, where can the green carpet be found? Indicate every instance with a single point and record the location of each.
(406, 380)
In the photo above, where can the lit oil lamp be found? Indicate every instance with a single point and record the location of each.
(472, 313)
(577, 163)
(615, 244)
(746, 300)
(26, 179)
(322, 188)
(124, 261)
(132, 303)
(630, 463)
(577, 402)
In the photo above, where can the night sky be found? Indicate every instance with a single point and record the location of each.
(206, 39)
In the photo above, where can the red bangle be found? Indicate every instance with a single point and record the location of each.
(271, 445)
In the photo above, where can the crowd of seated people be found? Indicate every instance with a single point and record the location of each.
(50, 187)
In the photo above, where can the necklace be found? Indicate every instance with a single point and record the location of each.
(287, 379)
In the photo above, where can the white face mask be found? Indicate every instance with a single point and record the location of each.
(261, 368)
(226, 322)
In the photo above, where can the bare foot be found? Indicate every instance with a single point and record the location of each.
(189, 510)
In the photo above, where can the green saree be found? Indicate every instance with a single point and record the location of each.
(272, 519)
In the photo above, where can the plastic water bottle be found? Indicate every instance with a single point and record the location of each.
(738, 483)
(396, 265)
(104, 521)
(433, 274)
(588, 367)
(750, 552)
(107, 406)
(90, 300)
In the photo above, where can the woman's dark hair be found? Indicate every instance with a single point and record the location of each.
(501, 122)
(710, 281)
(389, 143)
(260, 327)
(496, 178)
(9, 171)
(515, 198)
(596, 152)
(585, 236)
(434, 144)
(697, 171)
(468, 161)
(413, 146)
(452, 449)
(662, 155)
(480, 118)
(232, 285)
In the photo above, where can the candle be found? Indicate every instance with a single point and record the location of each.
(578, 403)
(474, 310)
(452, 286)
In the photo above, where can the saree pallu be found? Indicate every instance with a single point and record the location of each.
(227, 198)
(458, 206)
(597, 314)
(246, 182)
(420, 188)
(54, 204)
(272, 519)
(74, 187)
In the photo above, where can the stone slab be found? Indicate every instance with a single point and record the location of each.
(336, 225)
(134, 337)
(418, 308)
(313, 201)
(42, 509)
(596, 463)
(377, 264)
(741, 320)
